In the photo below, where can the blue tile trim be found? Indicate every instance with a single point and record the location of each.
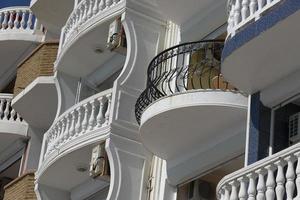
(279, 13)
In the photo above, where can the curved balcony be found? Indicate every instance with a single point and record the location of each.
(79, 127)
(260, 34)
(12, 126)
(80, 39)
(20, 32)
(19, 23)
(188, 107)
(275, 176)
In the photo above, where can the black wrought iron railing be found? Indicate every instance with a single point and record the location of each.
(188, 66)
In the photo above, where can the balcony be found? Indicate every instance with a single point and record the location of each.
(260, 49)
(81, 49)
(275, 176)
(36, 85)
(20, 32)
(72, 136)
(188, 112)
(12, 126)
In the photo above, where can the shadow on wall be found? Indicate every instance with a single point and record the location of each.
(11, 3)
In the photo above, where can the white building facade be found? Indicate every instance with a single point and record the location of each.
(150, 99)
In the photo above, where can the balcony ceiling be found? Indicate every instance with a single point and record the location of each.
(63, 173)
(12, 53)
(79, 58)
(182, 12)
(265, 60)
(36, 99)
(181, 127)
(52, 14)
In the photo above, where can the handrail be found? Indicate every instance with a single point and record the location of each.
(19, 18)
(86, 116)
(7, 113)
(188, 66)
(243, 12)
(252, 178)
(82, 13)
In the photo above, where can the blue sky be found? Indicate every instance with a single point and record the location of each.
(8, 3)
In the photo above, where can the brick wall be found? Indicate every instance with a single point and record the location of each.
(39, 63)
(21, 188)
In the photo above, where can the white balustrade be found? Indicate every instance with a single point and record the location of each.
(7, 113)
(84, 12)
(242, 12)
(19, 19)
(88, 116)
(275, 177)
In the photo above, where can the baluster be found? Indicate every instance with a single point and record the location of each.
(290, 176)
(1, 108)
(108, 3)
(17, 22)
(55, 130)
(245, 9)
(72, 127)
(269, 1)
(237, 12)
(23, 19)
(85, 14)
(251, 187)
(5, 21)
(234, 192)
(78, 124)
(298, 175)
(63, 125)
(85, 118)
(261, 4)
(270, 193)
(227, 192)
(280, 180)
(92, 119)
(222, 194)
(90, 12)
(6, 112)
(252, 6)
(243, 188)
(1, 18)
(102, 5)
(100, 116)
(96, 7)
(12, 115)
(18, 118)
(66, 133)
(230, 29)
(107, 113)
(29, 21)
(59, 127)
(261, 187)
(11, 19)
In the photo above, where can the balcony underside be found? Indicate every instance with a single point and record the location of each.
(55, 15)
(265, 52)
(35, 100)
(85, 49)
(11, 132)
(13, 51)
(189, 127)
(64, 175)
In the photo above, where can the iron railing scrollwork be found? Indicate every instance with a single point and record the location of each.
(188, 66)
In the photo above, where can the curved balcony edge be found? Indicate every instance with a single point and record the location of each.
(85, 123)
(19, 23)
(182, 68)
(85, 16)
(246, 21)
(274, 175)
